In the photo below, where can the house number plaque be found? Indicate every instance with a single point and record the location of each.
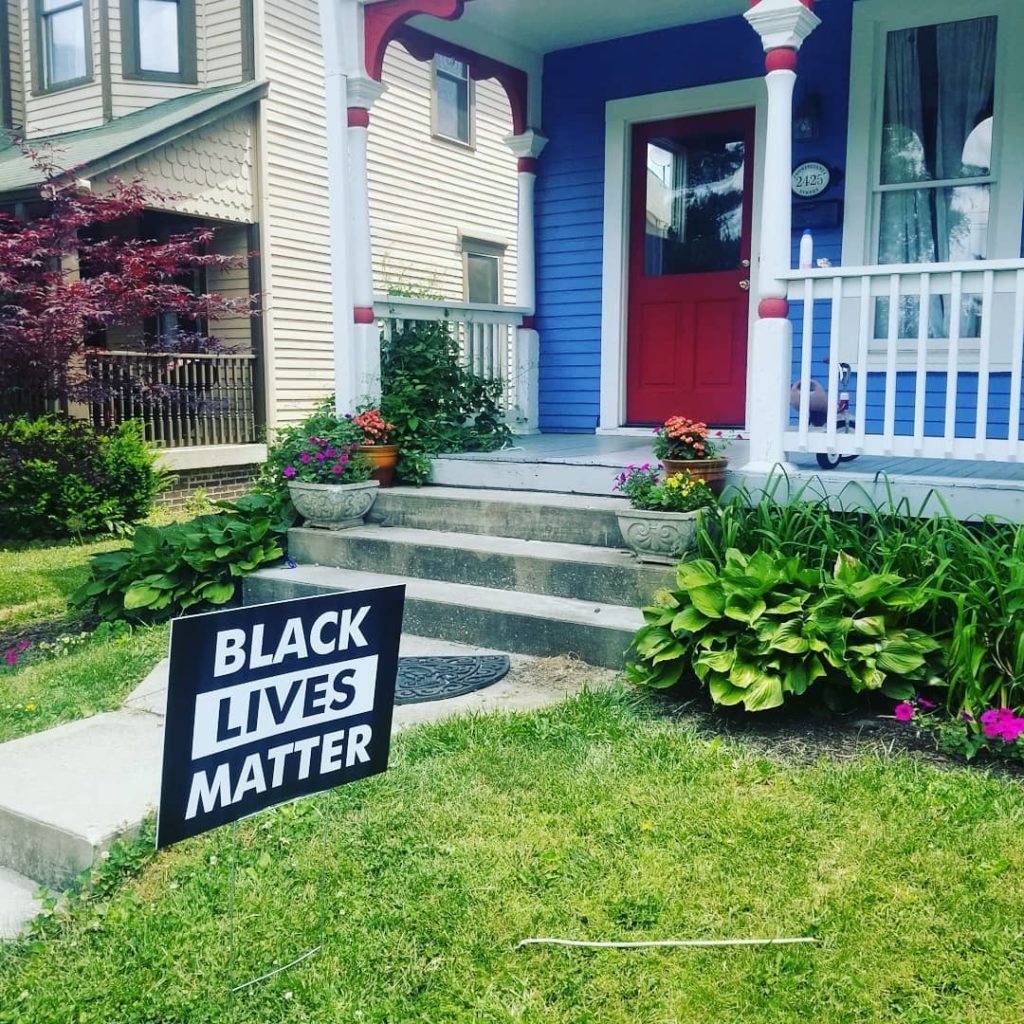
(811, 179)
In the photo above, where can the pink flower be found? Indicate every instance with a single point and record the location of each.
(989, 717)
(330, 453)
(904, 712)
(992, 730)
(289, 471)
(12, 658)
(337, 468)
(305, 457)
(320, 456)
(22, 646)
(927, 704)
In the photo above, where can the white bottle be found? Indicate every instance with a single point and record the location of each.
(806, 250)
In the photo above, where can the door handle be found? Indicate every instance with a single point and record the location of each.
(745, 285)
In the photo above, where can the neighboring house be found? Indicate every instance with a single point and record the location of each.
(668, 217)
(222, 103)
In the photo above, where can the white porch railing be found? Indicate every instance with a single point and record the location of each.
(492, 341)
(934, 351)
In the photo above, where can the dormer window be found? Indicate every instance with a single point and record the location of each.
(62, 52)
(159, 40)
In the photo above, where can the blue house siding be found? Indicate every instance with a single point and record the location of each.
(570, 187)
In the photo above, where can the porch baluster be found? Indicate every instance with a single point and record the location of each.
(892, 344)
(863, 341)
(984, 362)
(921, 377)
(953, 365)
(833, 365)
(806, 347)
(1017, 356)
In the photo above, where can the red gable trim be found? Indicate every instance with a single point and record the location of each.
(514, 81)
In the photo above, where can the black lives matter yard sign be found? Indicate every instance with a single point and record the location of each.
(272, 702)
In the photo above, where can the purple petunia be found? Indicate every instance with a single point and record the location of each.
(305, 457)
(289, 471)
(904, 712)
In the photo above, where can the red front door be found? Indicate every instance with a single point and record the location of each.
(689, 276)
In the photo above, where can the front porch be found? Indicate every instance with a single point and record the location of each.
(909, 312)
(587, 463)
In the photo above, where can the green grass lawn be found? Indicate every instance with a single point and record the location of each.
(589, 820)
(37, 693)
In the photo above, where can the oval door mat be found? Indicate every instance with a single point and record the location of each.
(425, 679)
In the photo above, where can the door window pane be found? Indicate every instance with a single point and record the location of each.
(694, 204)
(482, 278)
(158, 36)
(63, 34)
(451, 79)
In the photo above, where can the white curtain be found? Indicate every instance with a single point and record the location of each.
(923, 225)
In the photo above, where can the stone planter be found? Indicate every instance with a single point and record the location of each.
(658, 537)
(383, 458)
(333, 506)
(711, 471)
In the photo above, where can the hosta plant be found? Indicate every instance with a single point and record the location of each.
(188, 566)
(761, 628)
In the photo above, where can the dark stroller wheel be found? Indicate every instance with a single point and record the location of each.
(827, 461)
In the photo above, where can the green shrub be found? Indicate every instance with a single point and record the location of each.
(973, 573)
(60, 477)
(185, 566)
(759, 629)
(434, 402)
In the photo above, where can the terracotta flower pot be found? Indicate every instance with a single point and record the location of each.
(383, 457)
(711, 471)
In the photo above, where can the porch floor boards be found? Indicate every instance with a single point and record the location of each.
(587, 464)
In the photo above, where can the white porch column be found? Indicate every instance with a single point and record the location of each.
(527, 147)
(783, 25)
(362, 92)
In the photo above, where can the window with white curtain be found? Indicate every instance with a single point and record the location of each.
(936, 179)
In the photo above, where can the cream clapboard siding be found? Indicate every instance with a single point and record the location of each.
(232, 283)
(426, 193)
(296, 239)
(68, 109)
(218, 57)
(17, 84)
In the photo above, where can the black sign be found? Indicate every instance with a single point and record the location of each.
(275, 701)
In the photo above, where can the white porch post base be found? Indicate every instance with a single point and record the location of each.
(769, 406)
(524, 418)
(367, 342)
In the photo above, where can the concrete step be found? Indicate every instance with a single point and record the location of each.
(18, 903)
(505, 620)
(526, 515)
(68, 793)
(585, 572)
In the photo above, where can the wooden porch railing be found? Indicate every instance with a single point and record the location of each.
(935, 354)
(183, 400)
(489, 340)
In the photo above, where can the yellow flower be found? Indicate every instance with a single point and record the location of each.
(646, 827)
(30, 707)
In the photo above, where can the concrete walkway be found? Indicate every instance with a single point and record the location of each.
(68, 793)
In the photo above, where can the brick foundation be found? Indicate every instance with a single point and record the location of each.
(223, 483)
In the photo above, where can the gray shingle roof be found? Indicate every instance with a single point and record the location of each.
(95, 150)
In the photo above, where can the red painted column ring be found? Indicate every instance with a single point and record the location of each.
(527, 165)
(773, 309)
(358, 117)
(363, 315)
(782, 59)
(529, 322)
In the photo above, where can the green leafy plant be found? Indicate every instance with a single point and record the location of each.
(435, 404)
(647, 490)
(60, 477)
(759, 629)
(185, 566)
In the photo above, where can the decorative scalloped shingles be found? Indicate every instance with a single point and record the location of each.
(211, 170)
